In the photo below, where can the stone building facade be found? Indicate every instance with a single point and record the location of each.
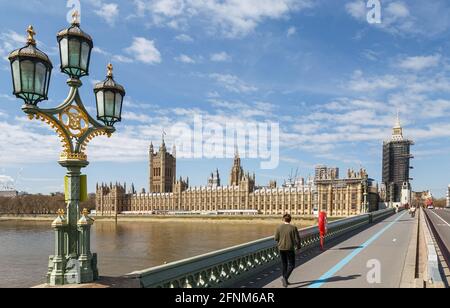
(338, 197)
(396, 166)
(162, 169)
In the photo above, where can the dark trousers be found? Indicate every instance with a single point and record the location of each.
(288, 262)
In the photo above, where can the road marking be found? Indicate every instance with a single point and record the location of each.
(441, 218)
(322, 280)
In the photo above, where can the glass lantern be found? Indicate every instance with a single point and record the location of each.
(109, 96)
(31, 71)
(75, 48)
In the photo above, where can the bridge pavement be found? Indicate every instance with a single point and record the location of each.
(441, 221)
(344, 263)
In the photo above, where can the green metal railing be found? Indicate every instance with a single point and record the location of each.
(227, 267)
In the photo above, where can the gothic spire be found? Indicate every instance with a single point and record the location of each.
(163, 143)
(397, 131)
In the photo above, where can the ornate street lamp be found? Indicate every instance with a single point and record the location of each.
(73, 261)
(109, 96)
(75, 48)
(31, 70)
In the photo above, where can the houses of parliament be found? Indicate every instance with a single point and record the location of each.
(168, 194)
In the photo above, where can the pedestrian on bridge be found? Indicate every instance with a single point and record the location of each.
(288, 239)
(412, 211)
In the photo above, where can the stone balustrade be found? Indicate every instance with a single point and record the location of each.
(227, 267)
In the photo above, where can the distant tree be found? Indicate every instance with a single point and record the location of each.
(39, 204)
(440, 202)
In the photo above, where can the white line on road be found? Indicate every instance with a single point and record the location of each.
(441, 218)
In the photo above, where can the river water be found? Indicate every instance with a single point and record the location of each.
(121, 248)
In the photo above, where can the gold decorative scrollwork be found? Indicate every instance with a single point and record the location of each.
(92, 135)
(59, 131)
(72, 125)
(73, 156)
(74, 120)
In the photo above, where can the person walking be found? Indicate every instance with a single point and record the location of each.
(413, 211)
(288, 240)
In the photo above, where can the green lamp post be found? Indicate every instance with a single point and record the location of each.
(73, 262)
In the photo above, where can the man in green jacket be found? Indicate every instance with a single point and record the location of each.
(288, 240)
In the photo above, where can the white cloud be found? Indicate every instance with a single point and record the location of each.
(122, 59)
(213, 94)
(109, 12)
(100, 51)
(357, 9)
(18, 138)
(232, 18)
(138, 117)
(116, 58)
(232, 83)
(420, 63)
(360, 83)
(185, 59)
(144, 50)
(9, 41)
(169, 8)
(291, 31)
(370, 55)
(6, 180)
(397, 10)
(184, 38)
(220, 57)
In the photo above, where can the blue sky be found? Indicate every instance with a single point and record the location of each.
(329, 78)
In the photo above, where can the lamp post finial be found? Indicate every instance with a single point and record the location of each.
(75, 17)
(31, 34)
(110, 70)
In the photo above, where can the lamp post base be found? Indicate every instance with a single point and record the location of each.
(73, 262)
(69, 271)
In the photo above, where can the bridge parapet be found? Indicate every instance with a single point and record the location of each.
(432, 275)
(227, 267)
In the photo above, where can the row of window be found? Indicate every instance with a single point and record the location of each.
(157, 172)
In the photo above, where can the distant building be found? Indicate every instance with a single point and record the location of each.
(420, 198)
(9, 193)
(406, 195)
(324, 172)
(237, 172)
(272, 184)
(214, 179)
(163, 169)
(353, 195)
(396, 165)
(338, 197)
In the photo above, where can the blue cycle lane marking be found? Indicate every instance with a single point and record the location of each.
(322, 280)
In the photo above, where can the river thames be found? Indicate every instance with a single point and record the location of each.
(122, 248)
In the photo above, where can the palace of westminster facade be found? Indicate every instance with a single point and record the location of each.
(352, 195)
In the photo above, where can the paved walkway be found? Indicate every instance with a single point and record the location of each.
(441, 221)
(349, 261)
